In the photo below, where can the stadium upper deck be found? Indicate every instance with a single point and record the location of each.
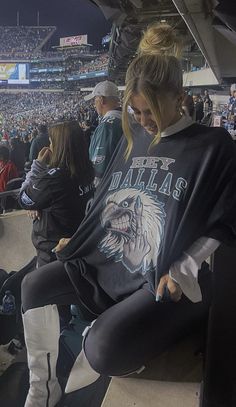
(24, 61)
(22, 42)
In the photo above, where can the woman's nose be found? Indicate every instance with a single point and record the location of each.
(144, 120)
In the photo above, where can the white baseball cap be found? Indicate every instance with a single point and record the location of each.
(105, 88)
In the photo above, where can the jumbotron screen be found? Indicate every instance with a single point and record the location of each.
(14, 73)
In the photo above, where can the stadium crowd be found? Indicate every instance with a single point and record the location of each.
(69, 67)
(26, 43)
(97, 64)
(23, 112)
(55, 69)
(19, 41)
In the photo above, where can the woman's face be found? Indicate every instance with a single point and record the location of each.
(144, 116)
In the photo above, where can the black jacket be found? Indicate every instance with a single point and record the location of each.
(62, 204)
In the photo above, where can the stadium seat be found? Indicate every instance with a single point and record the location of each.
(8, 199)
(14, 183)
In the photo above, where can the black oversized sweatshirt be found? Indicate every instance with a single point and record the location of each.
(149, 209)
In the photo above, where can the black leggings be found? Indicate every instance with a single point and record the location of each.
(127, 335)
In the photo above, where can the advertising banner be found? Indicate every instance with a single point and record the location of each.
(75, 40)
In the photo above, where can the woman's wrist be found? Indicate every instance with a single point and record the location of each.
(40, 164)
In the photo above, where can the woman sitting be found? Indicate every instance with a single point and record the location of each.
(59, 187)
(165, 203)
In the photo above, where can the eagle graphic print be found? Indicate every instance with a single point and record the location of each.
(133, 221)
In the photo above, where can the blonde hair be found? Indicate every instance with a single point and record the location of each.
(156, 70)
(161, 39)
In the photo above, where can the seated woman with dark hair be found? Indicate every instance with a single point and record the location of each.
(8, 169)
(59, 187)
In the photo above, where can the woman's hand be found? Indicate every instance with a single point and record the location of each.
(173, 287)
(44, 155)
(33, 214)
(61, 244)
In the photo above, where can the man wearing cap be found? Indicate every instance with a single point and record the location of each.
(109, 131)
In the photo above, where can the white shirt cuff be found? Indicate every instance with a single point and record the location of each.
(185, 271)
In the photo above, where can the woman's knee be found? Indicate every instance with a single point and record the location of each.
(30, 291)
(104, 350)
(98, 350)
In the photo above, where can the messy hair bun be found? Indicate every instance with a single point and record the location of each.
(155, 73)
(160, 39)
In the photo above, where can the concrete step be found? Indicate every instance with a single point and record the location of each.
(171, 380)
(151, 393)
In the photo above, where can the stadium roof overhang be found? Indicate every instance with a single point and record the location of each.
(130, 18)
(212, 24)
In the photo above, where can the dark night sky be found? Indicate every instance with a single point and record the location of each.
(70, 16)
